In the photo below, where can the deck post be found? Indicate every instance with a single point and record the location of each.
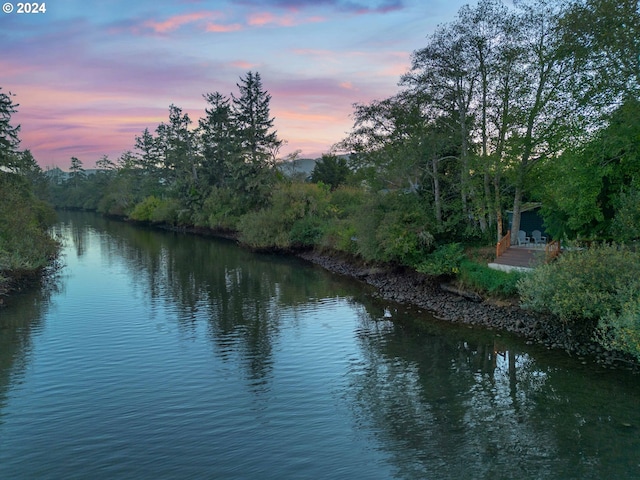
(552, 250)
(503, 244)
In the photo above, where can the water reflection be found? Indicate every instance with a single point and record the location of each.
(315, 354)
(20, 320)
(453, 408)
(432, 397)
(239, 294)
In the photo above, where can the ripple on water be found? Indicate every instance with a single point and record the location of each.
(178, 357)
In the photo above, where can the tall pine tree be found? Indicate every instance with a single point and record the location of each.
(218, 135)
(259, 142)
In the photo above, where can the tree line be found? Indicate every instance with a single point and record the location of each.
(504, 105)
(500, 107)
(500, 103)
(232, 148)
(26, 248)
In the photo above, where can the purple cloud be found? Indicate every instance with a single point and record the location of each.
(383, 6)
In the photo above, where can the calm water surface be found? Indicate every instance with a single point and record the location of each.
(162, 356)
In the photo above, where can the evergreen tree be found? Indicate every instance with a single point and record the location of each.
(258, 140)
(176, 144)
(331, 170)
(218, 135)
(76, 171)
(9, 140)
(149, 159)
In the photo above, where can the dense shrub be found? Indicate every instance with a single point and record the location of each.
(622, 332)
(167, 211)
(340, 234)
(264, 229)
(306, 232)
(444, 260)
(294, 217)
(144, 211)
(158, 210)
(626, 223)
(221, 210)
(599, 285)
(25, 244)
(393, 227)
(346, 201)
(583, 284)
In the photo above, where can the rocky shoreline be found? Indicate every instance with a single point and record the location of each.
(446, 302)
(404, 285)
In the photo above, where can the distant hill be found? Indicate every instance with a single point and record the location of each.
(300, 167)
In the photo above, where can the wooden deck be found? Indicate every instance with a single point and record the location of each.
(519, 258)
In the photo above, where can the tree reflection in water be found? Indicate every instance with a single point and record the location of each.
(469, 406)
(441, 401)
(20, 320)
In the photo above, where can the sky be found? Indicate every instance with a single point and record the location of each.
(90, 76)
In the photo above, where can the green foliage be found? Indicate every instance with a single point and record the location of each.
(167, 211)
(347, 201)
(626, 223)
(144, 211)
(306, 232)
(393, 227)
(347, 205)
(221, 210)
(155, 210)
(9, 140)
(117, 200)
(583, 284)
(264, 229)
(480, 278)
(340, 235)
(622, 332)
(25, 244)
(444, 260)
(331, 170)
(251, 111)
(294, 203)
(588, 186)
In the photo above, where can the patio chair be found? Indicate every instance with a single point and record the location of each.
(522, 238)
(538, 238)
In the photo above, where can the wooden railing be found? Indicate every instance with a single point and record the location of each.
(552, 250)
(503, 244)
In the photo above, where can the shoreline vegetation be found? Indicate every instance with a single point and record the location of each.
(27, 250)
(504, 106)
(451, 301)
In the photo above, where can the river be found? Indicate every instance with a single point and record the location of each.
(156, 355)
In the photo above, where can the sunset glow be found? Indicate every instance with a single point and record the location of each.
(88, 79)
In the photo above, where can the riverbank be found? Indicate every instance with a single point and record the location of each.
(447, 302)
(26, 247)
(404, 285)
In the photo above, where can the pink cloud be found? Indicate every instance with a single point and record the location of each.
(14, 69)
(243, 65)
(175, 22)
(219, 28)
(267, 18)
